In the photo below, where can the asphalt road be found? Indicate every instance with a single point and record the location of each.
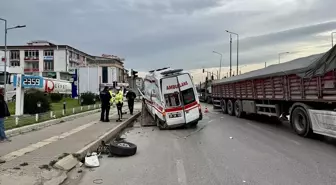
(221, 150)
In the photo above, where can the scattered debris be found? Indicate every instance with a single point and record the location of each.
(80, 171)
(92, 160)
(231, 137)
(24, 164)
(62, 156)
(98, 181)
(2, 161)
(17, 168)
(52, 163)
(45, 167)
(244, 181)
(153, 129)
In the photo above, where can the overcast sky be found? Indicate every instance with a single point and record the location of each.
(178, 33)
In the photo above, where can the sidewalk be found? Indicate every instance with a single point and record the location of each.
(43, 146)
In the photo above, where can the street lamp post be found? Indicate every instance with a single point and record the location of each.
(237, 47)
(5, 68)
(282, 54)
(332, 39)
(220, 63)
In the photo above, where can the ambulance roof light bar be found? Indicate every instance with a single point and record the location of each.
(161, 69)
(171, 72)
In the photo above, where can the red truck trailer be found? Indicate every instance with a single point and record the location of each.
(303, 89)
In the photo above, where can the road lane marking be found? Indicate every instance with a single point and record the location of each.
(181, 175)
(18, 153)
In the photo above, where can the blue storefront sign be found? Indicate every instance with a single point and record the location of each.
(48, 58)
(74, 84)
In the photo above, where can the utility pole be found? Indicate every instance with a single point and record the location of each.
(5, 67)
(230, 55)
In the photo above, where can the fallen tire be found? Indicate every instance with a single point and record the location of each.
(122, 149)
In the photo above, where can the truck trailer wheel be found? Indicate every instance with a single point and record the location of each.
(224, 107)
(238, 109)
(230, 108)
(300, 121)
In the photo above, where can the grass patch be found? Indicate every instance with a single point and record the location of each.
(57, 109)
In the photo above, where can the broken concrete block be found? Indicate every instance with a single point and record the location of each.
(66, 163)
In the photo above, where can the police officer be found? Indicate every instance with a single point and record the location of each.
(105, 98)
(130, 100)
(119, 102)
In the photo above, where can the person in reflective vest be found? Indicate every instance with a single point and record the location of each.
(119, 99)
(112, 96)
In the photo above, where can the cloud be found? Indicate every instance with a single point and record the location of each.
(177, 33)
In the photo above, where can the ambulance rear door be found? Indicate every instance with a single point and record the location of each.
(189, 98)
(173, 104)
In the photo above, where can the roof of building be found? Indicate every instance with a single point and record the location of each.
(43, 44)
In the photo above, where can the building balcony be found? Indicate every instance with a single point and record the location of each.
(31, 70)
(14, 59)
(31, 59)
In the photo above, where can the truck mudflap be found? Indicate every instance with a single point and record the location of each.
(323, 122)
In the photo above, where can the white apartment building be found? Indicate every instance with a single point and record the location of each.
(43, 58)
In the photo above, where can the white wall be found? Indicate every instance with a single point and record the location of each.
(60, 60)
(89, 79)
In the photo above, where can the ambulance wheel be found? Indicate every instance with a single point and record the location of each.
(230, 108)
(162, 126)
(193, 124)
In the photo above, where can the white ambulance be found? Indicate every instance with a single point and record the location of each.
(171, 98)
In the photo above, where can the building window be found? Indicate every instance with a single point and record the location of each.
(14, 55)
(50, 75)
(104, 75)
(35, 65)
(15, 63)
(48, 52)
(48, 65)
(31, 54)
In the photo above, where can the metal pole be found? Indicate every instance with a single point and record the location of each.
(230, 55)
(237, 52)
(5, 68)
(332, 39)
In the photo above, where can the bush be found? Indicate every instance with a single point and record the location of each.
(55, 97)
(32, 96)
(88, 98)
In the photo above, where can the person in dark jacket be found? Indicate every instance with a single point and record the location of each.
(130, 100)
(105, 98)
(4, 112)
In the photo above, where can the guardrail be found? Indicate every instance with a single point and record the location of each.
(23, 120)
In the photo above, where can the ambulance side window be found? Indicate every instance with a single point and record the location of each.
(172, 99)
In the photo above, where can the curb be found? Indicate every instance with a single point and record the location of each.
(71, 161)
(106, 137)
(39, 126)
